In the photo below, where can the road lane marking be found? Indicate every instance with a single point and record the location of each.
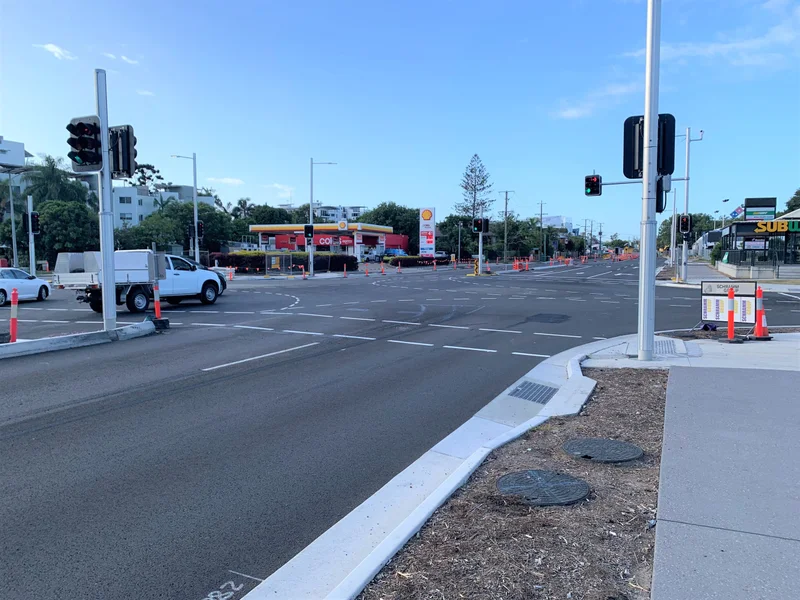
(243, 575)
(406, 300)
(254, 327)
(682, 305)
(353, 337)
(493, 298)
(50, 321)
(460, 298)
(318, 305)
(239, 312)
(593, 276)
(314, 315)
(400, 322)
(564, 335)
(609, 301)
(409, 343)
(59, 309)
(789, 296)
(531, 354)
(499, 330)
(576, 299)
(430, 299)
(544, 298)
(352, 303)
(448, 326)
(377, 300)
(357, 318)
(208, 324)
(468, 348)
(244, 360)
(204, 311)
(302, 332)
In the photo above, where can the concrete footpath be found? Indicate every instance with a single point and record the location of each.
(729, 491)
(698, 272)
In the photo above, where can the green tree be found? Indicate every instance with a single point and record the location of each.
(476, 189)
(146, 175)
(447, 239)
(793, 203)
(217, 224)
(49, 180)
(268, 215)
(402, 219)
(67, 227)
(155, 228)
(162, 202)
(243, 209)
(300, 214)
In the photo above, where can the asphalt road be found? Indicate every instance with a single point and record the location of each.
(201, 460)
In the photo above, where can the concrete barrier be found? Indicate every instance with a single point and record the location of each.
(76, 340)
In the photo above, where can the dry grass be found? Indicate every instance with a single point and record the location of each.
(481, 545)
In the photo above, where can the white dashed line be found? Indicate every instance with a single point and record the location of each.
(406, 300)
(211, 312)
(210, 324)
(431, 299)
(239, 312)
(377, 300)
(352, 302)
(609, 301)
(682, 305)
(448, 326)
(356, 319)
(494, 298)
(599, 338)
(319, 305)
(314, 315)
(530, 354)
(400, 322)
(254, 327)
(244, 360)
(353, 337)
(564, 335)
(302, 332)
(460, 298)
(409, 343)
(50, 321)
(468, 348)
(58, 309)
(500, 330)
(544, 298)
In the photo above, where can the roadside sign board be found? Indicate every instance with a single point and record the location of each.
(427, 231)
(714, 301)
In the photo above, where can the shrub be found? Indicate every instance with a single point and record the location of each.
(254, 261)
(716, 252)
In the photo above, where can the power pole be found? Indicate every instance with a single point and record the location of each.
(585, 231)
(541, 230)
(505, 225)
(600, 240)
(591, 238)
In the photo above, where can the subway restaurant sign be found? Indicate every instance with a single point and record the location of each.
(778, 226)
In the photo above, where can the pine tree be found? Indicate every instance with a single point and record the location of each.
(476, 190)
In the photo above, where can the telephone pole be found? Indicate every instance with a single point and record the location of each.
(505, 225)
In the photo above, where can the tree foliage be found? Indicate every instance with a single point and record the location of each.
(793, 203)
(66, 227)
(50, 180)
(146, 175)
(402, 219)
(476, 189)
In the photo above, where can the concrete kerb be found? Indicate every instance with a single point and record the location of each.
(345, 558)
(76, 340)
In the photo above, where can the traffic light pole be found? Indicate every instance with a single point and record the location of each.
(106, 209)
(647, 256)
(310, 243)
(14, 262)
(31, 247)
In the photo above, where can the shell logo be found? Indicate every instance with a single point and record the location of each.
(426, 215)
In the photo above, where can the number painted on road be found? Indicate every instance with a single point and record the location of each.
(222, 594)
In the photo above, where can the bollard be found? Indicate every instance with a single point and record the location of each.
(345, 270)
(366, 271)
(731, 339)
(527, 265)
(762, 331)
(488, 268)
(303, 269)
(434, 264)
(157, 300)
(12, 326)
(455, 265)
(230, 274)
(399, 270)
(383, 270)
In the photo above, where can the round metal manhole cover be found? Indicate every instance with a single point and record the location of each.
(543, 488)
(602, 450)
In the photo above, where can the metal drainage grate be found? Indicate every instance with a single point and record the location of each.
(602, 450)
(665, 347)
(535, 392)
(543, 488)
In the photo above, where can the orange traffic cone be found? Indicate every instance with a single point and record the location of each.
(366, 271)
(383, 271)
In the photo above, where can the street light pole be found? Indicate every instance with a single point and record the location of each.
(505, 226)
(459, 241)
(311, 216)
(13, 223)
(195, 238)
(685, 246)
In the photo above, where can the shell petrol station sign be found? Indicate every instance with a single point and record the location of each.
(427, 231)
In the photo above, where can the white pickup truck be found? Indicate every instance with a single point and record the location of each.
(135, 274)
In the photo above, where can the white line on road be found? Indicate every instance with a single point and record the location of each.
(76, 322)
(609, 301)
(254, 327)
(353, 337)
(406, 300)
(302, 332)
(489, 298)
(58, 309)
(599, 338)
(318, 305)
(593, 276)
(357, 318)
(400, 322)
(544, 298)
(468, 348)
(239, 312)
(243, 575)
(564, 335)
(682, 305)
(789, 295)
(207, 324)
(314, 315)
(429, 299)
(352, 302)
(47, 321)
(500, 330)
(204, 311)
(377, 300)
(460, 298)
(448, 326)
(576, 299)
(409, 343)
(530, 354)
(244, 360)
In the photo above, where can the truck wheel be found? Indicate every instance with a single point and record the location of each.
(137, 300)
(209, 293)
(96, 305)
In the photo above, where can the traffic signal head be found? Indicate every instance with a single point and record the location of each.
(685, 224)
(122, 146)
(593, 185)
(477, 225)
(485, 225)
(86, 154)
(201, 229)
(35, 227)
(308, 231)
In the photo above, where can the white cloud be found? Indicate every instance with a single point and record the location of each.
(760, 50)
(610, 94)
(283, 190)
(109, 55)
(130, 61)
(145, 93)
(57, 51)
(226, 180)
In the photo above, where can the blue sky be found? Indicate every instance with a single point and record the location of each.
(401, 94)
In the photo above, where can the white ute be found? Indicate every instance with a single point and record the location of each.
(135, 273)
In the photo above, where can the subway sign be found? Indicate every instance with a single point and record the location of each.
(778, 226)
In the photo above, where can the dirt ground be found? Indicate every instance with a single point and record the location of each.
(481, 545)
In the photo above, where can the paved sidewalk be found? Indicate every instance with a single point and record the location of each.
(729, 493)
(699, 272)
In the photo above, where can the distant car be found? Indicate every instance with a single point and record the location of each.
(223, 285)
(29, 286)
(440, 254)
(395, 252)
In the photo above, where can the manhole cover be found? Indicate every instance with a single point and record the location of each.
(548, 318)
(543, 488)
(602, 450)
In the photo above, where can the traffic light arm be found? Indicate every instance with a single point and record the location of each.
(636, 181)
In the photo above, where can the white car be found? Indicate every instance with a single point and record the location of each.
(29, 286)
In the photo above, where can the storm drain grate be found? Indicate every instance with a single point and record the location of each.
(543, 488)
(535, 392)
(665, 347)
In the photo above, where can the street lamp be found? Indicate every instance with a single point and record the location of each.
(311, 217)
(195, 240)
(685, 248)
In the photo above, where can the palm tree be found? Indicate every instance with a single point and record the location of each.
(49, 181)
(161, 203)
(243, 209)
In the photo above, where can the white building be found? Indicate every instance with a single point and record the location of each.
(331, 213)
(558, 222)
(133, 204)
